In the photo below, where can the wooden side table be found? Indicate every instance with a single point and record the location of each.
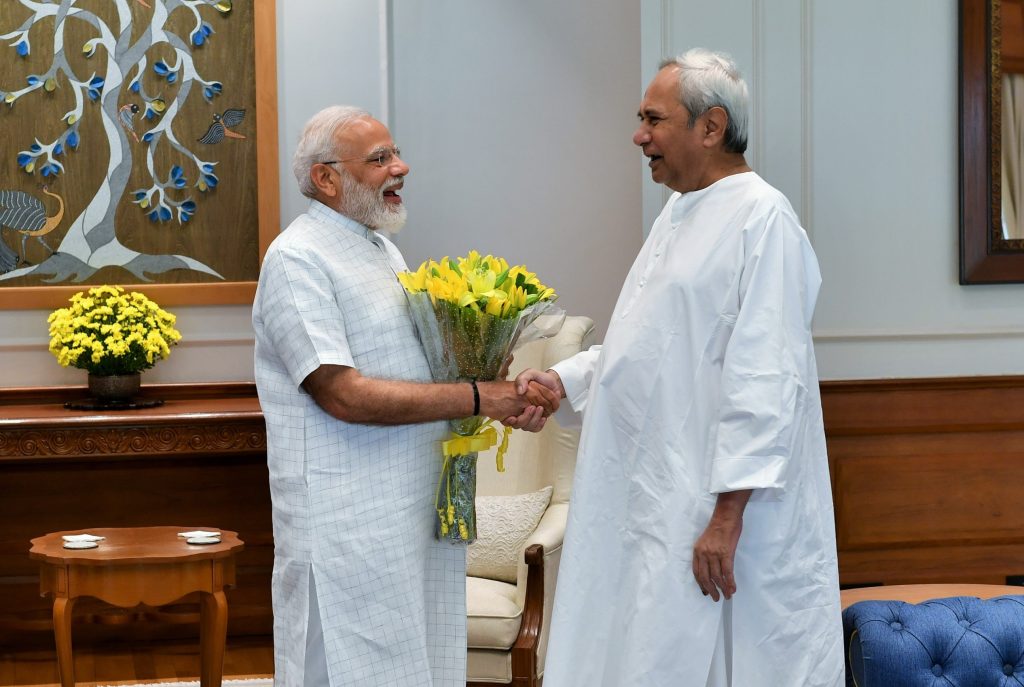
(140, 565)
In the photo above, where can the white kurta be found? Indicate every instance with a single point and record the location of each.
(352, 504)
(706, 383)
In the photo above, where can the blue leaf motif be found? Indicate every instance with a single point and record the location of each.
(22, 48)
(72, 139)
(160, 68)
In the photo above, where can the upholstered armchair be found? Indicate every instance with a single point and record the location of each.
(970, 635)
(521, 517)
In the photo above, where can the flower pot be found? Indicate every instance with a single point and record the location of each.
(114, 388)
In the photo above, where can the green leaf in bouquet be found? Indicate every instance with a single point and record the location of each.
(500, 279)
(455, 266)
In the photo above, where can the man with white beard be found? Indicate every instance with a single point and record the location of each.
(362, 592)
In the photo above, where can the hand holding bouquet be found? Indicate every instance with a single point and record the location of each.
(470, 312)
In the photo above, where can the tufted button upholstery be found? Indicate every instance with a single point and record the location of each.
(965, 641)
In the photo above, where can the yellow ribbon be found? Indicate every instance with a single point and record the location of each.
(481, 440)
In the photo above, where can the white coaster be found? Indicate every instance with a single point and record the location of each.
(80, 545)
(82, 537)
(198, 533)
(203, 540)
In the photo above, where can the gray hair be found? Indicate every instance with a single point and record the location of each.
(710, 79)
(317, 142)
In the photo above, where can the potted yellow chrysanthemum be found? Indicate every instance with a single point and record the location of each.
(114, 336)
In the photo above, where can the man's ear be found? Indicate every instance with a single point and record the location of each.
(716, 120)
(326, 183)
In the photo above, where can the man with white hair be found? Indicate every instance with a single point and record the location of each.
(363, 594)
(701, 419)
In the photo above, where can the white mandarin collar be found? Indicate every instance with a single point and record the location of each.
(685, 201)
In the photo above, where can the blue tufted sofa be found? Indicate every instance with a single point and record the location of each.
(960, 641)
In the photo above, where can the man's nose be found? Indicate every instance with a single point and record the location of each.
(641, 135)
(398, 168)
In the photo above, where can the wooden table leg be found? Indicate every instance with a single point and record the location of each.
(62, 607)
(213, 629)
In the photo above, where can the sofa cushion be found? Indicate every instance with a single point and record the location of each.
(493, 615)
(503, 524)
(963, 641)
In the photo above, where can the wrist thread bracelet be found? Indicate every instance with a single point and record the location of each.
(476, 398)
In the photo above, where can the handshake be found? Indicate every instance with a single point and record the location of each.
(524, 403)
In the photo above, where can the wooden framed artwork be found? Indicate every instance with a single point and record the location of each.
(140, 148)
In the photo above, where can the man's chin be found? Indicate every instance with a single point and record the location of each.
(392, 221)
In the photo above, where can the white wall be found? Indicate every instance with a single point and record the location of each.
(516, 118)
(854, 119)
(548, 183)
(855, 116)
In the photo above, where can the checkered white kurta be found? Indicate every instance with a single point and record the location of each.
(352, 504)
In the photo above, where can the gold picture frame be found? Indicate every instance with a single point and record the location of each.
(212, 203)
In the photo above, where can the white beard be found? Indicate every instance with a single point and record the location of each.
(367, 206)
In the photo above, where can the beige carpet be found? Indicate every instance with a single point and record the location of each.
(259, 682)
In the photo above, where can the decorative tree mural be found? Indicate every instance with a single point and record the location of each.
(134, 73)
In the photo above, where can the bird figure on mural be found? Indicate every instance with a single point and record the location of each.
(126, 115)
(221, 126)
(26, 215)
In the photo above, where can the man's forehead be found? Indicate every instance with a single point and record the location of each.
(365, 132)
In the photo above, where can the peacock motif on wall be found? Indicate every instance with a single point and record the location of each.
(25, 215)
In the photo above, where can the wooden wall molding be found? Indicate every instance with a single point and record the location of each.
(137, 441)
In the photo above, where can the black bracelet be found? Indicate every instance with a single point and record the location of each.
(476, 398)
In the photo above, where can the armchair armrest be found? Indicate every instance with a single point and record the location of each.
(536, 588)
(550, 530)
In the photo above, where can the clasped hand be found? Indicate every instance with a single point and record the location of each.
(543, 391)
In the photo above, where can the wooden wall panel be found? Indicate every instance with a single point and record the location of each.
(928, 482)
(928, 479)
(197, 461)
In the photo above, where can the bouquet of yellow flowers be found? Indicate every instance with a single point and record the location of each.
(470, 312)
(106, 331)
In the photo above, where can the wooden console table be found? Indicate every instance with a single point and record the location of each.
(199, 458)
(140, 566)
